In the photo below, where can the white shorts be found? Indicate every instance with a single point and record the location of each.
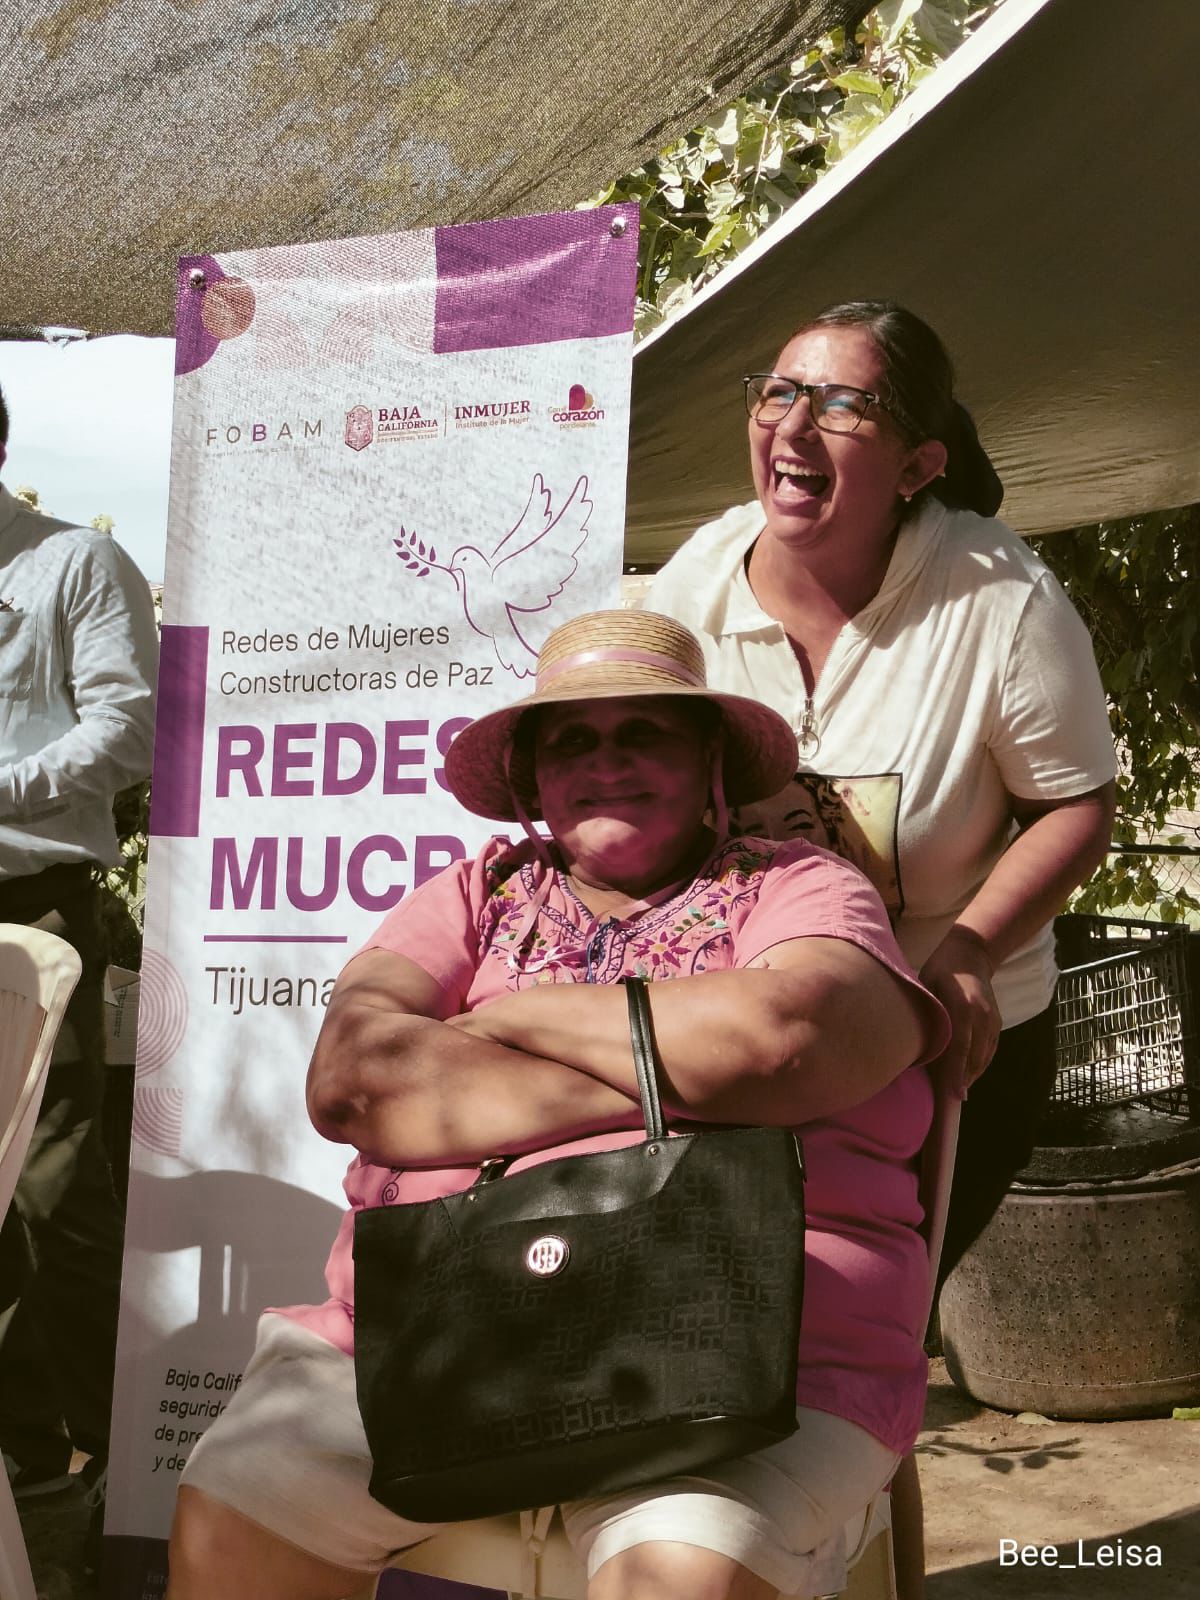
(289, 1453)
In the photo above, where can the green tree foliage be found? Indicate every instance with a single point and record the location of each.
(1136, 583)
(710, 194)
(123, 887)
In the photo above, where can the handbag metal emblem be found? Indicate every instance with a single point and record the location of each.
(547, 1255)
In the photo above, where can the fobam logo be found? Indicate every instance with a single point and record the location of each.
(271, 432)
(581, 410)
(359, 427)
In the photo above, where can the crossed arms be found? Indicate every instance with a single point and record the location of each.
(813, 1027)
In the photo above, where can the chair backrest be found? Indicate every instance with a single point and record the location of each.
(38, 972)
(936, 1173)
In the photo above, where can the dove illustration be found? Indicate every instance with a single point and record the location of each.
(523, 575)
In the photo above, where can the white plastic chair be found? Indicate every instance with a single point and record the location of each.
(528, 1554)
(37, 974)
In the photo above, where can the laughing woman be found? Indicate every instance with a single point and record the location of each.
(483, 1018)
(953, 736)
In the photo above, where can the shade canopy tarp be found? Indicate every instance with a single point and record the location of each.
(1036, 200)
(137, 131)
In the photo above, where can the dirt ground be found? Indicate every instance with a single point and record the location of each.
(986, 1478)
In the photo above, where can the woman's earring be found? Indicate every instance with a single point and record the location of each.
(907, 498)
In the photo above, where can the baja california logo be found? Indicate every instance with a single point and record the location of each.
(582, 410)
(404, 422)
(359, 427)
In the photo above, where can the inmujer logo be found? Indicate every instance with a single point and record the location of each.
(492, 413)
(581, 409)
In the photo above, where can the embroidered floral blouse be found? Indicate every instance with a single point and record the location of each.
(861, 1348)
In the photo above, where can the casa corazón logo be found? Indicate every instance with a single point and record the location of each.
(581, 410)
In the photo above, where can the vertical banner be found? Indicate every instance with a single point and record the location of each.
(397, 464)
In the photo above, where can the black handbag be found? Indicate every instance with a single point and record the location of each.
(595, 1322)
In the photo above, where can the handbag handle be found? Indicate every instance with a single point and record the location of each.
(645, 1062)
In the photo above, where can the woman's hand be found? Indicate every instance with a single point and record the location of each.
(391, 1078)
(468, 1022)
(959, 973)
(485, 1022)
(819, 1026)
(1060, 842)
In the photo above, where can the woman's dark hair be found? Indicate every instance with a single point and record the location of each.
(919, 395)
(3, 419)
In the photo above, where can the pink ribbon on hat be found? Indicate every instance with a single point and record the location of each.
(623, 656)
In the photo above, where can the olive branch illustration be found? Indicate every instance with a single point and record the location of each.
(412, 553)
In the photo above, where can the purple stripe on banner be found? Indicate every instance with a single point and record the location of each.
(534, 280)
(194, 344)
(276, 938)
(137, 1566)
(417, 1586)
(132, 1565)
(179, 733)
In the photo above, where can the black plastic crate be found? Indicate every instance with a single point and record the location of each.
(1125, 1030)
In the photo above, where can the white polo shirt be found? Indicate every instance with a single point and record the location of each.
(968, 677)
(78, 662)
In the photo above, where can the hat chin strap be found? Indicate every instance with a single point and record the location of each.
(528, 922)
(717, 788)
(523, 817)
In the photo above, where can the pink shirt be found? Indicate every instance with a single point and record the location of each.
(866, 1282)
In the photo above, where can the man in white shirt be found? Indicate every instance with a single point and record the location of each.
(78, 658)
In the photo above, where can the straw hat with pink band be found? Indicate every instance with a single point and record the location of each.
(609, 655)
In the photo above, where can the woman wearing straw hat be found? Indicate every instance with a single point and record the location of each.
(482, 1018)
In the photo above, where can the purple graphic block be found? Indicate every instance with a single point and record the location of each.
(535, 280)
(179, 733)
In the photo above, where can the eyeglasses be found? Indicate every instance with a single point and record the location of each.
(836, 407)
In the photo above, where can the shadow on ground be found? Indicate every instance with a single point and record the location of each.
(55, 1527)
(1002, 1458)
